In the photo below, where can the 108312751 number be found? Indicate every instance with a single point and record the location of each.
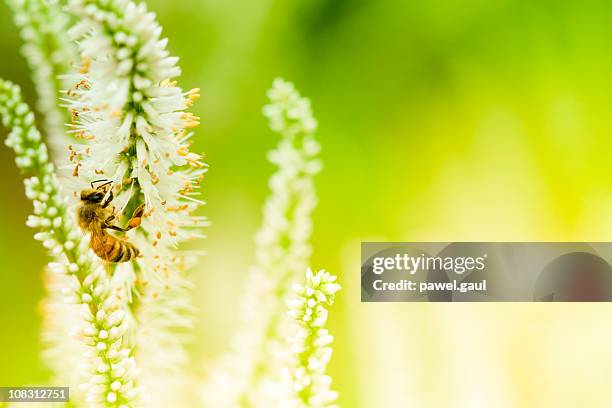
(34, 394)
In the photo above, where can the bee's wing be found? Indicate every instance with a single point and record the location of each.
(98, 235)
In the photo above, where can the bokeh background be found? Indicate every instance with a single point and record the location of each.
(446, 121)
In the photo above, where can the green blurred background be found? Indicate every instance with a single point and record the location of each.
(473, 120)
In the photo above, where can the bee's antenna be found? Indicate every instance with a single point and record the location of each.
(106, 184)
(99, 181)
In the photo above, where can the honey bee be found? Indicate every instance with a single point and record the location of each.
(95, 215)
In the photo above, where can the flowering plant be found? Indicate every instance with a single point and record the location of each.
(129, 125)
(254, 374)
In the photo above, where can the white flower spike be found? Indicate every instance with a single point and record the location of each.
(282, 251)
(133, 122)
(101, 326)
(49, 54)
(309, 341)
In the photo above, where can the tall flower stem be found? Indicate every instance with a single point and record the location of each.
(282, 251)
(49, 53)
(310, 340)
(109, 364)
(132, 119)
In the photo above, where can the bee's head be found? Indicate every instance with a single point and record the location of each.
(96, 194)
(92, 195)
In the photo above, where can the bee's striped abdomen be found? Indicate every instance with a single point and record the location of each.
(116, 250)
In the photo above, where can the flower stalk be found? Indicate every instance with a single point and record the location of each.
(134, 130)
(309, 343)
(108, 363)
(49, 53)
(132, 127)
(282, 250)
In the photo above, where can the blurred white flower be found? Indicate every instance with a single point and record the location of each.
(282, 251)
(110, 363)
(49, 53)
(107, 359)
(132, 120)
(309, 350)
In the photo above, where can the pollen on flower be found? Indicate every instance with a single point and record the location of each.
(194, 160)
(190, 120)
(192, 96)
(85, 65)
(82, 84)
(187, 187)
(168, 83)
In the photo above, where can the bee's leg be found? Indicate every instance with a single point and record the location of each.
(136, 217)
(107, 224)
(116, 228)
(133, 223)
